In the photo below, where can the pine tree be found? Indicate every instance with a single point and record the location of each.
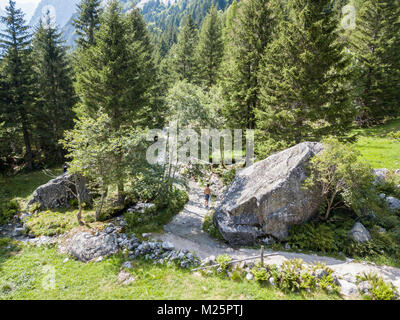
(15, 42)
(183, 57)
(112, 80)
(210, 48)
(88, 22)
(304, 79)
(376, 46)
(55, 95)
(249, 35)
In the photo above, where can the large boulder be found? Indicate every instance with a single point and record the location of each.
(359, 233)
(58, 193)
(85, 246)
(268, 198)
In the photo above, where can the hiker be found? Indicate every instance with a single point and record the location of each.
(65, 167)
(207, 193)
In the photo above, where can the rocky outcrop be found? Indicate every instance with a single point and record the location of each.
(57, 192)
(359, 233)
(268, 198)
(85, 246)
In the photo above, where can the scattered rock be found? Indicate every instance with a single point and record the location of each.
(364, 287)
(249, 276)
(381, 175)
(66, 260)
(267, 198)
(85, 246)
(359, 233)
(347, 288)
(271, 281)
(125, 278)
(141, 207)
(57, 192)
(320, 273)
(127, 265)
(393, 203)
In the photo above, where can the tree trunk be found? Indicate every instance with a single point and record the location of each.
(100, 208)
(28, 148)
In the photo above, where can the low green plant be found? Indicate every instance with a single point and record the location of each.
(8, 209)
(228, 177)
(210, 228)
(261, 274)
(380, 289)
(155, 218)
(224, 261)
(312, 236)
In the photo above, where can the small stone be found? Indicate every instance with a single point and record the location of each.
(287, 246)
(127, 265)
(359, 233)
(167, 246)
(99, 259)
(320, 273)
(364, 287)
(249, 276)
(125, 278)
(347, 288)
(271, 281)
(146, 235)
(66, 260)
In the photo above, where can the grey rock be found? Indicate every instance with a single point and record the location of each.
(347, 288)
(267, 198)
(167, 246)
(85, 246)
(57, 192)
(380, 175)
(125, 278)
(359, 233)
(249, 276)
(393, 203)
(320, 273)
(271, 281)
(127, 265)
(364, 287)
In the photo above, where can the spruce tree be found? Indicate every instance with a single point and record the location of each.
(250, 35)
(210, 48)
(55, 95)
(376, 46)
(88, 22)
(112, 79)
(15, 42)
(183, 53)
(304, 80)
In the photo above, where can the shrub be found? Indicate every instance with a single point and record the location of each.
(154, 219)
(342, 179)
(8, 210)
(223, 261)
(380, 289)
(228, 177)
(210, 228)
(314, 237)
(261, 274)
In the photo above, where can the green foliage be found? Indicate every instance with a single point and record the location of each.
(8, 210)
(210, 228)
(154, 219)
(224, 261)
(228, 177)
(87, 22)
(343, 179)
(304, 79)
(260, 274)
(248, 34)
(312, 236)
(380, 289)
(375, 44)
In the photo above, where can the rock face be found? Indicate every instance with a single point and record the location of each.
(267, 198)
(85, 246)
(359, 233)
(57, 192)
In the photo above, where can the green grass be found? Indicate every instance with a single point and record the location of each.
(22, 274)
(22, 186)
(377, 149)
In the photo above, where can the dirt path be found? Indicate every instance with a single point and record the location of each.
(185, 233)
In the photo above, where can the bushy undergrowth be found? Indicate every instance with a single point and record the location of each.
(153, 219)
(380, 290)
(333, 237)
(7, 210)
(210, 228)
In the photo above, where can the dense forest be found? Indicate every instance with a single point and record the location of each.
(289, 70)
